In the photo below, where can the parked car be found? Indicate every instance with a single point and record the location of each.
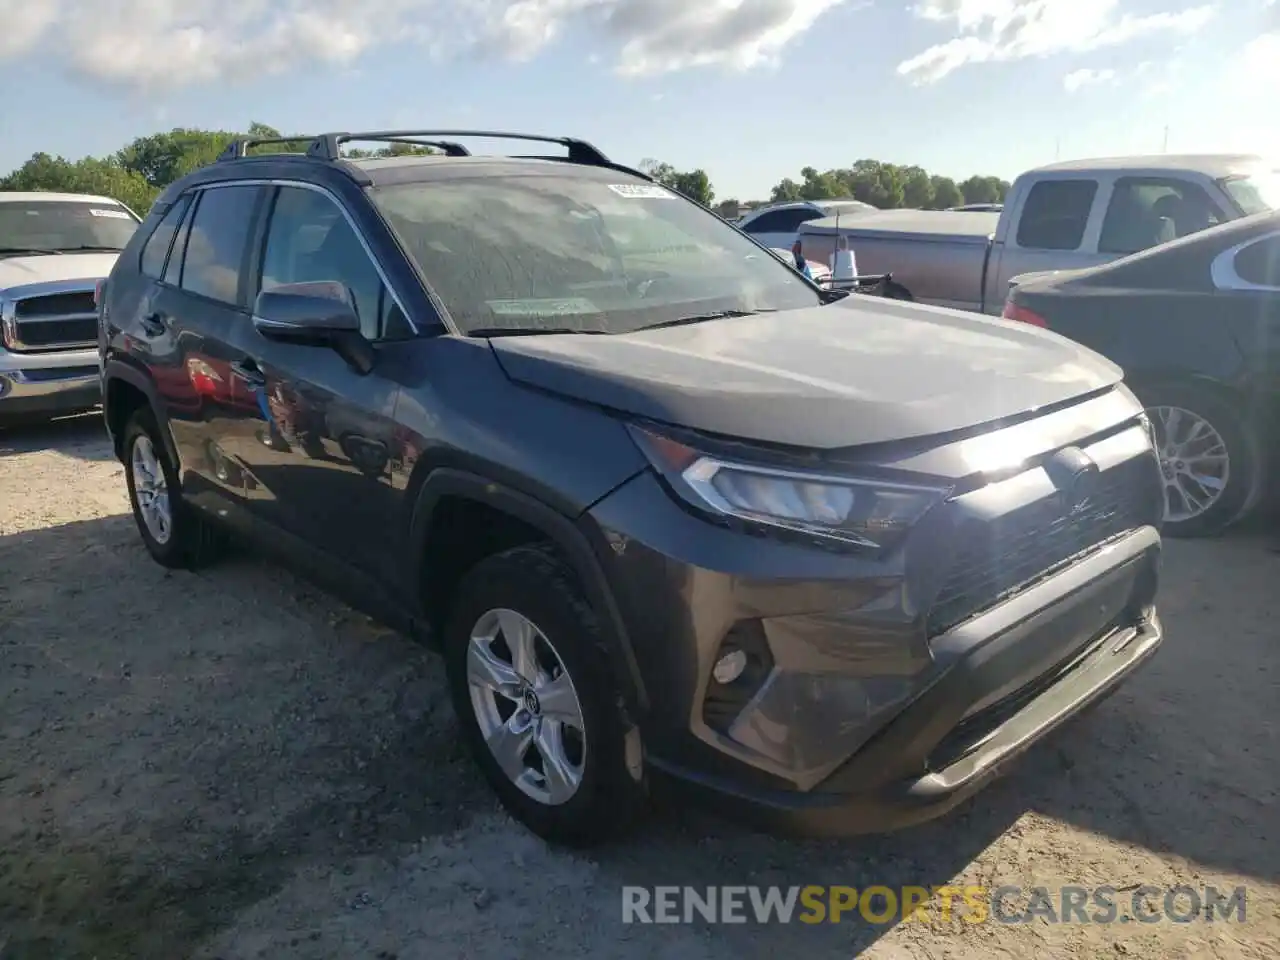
(831, 560)
(776, 225)
(54, 250)
(1063, 216)
(1196, 326)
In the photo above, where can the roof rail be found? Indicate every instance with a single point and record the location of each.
(239, 148)
(449, 148)
(328, 146)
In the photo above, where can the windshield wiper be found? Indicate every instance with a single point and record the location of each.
(88, 247)
(27, 251)
(526, 331)
(700, 317)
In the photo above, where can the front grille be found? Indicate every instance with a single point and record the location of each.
(55, 321)
(1004, 556)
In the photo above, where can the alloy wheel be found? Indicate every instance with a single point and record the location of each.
(151, 490)
(1194, 462)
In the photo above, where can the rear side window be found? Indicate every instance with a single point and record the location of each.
(1056, 214)
(157, 247)
(1145, 211)
(218, 242)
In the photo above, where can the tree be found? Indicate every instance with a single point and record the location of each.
(984, 189)
(945, 193)
(104, 178)
(694, 184)
(917, 188)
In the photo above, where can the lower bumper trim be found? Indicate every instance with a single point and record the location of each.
(1095, 676)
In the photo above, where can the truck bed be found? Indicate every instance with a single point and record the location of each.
(944, 226)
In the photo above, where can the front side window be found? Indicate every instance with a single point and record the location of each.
(1056, 214)
(218, 241)
(1145, 211)
(572, 252)
(308, 240)
(61, 226)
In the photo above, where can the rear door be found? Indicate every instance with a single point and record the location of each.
(320, 457)
(186, 328)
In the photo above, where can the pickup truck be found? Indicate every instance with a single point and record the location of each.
(54, 250)
(1059, 217)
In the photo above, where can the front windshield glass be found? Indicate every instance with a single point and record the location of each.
(527, 253)
(1255, 193)
(57, 226)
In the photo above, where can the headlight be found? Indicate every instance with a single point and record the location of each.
(864, 513)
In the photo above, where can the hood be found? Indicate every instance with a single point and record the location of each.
(46, 268)
(861, 370)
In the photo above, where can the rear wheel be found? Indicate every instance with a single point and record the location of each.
(534, 700)
(173, 533)
(1208, 458)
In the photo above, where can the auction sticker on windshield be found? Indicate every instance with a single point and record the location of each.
(552, 306)
(641, 191)
(114, 214)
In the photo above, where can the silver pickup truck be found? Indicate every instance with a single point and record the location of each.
(1059, 217)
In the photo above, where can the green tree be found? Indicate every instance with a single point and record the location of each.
(979, 189)
(694, 184)
(786, 191)
(104, 178)
(945, 193)
(917, 188)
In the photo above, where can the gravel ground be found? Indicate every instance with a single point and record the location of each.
(231, 765)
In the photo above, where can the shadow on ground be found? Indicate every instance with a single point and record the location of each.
(82, 436)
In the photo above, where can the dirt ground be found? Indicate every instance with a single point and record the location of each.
(231, 765)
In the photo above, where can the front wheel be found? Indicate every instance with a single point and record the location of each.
(535, 701)
(1208, 458)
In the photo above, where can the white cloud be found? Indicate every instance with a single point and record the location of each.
(1078, 79)
(162, 44)
(1002, 30)
(1256, 71)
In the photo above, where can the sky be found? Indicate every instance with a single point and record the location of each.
(749, 90)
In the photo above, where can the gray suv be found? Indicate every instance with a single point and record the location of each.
(668, 509)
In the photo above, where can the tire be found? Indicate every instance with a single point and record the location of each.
(190, 541)
(1243, 479)
(532, 582)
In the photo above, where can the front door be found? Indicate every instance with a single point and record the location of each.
(318, 461)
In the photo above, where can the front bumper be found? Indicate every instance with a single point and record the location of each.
(48, 383)
(868, 719)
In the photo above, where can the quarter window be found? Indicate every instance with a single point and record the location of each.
(1259, 263)
(1056, 214)
(218, 242)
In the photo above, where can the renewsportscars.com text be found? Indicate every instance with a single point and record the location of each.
(970, 904)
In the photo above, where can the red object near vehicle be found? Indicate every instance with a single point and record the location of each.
(1022, 315)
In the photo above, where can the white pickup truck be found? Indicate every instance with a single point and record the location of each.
(54, 249)
(1059, 217)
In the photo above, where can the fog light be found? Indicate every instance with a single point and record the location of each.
(729, 667)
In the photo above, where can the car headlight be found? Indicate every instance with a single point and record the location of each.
(862, 512)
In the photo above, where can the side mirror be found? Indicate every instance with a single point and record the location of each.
(320, 313)
(313, 313)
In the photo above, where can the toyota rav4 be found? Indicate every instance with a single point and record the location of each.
(668, 509)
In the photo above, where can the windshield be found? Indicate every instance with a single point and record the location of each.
(525, 253)
(1256, 193)
(56, 226)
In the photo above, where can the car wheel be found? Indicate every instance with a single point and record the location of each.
(1208, 458)
(536, 703)
(172, 532)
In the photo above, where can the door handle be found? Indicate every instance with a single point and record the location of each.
(248, 371)
(153, 325)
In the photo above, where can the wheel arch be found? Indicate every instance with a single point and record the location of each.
(443, 486)
(125, 388)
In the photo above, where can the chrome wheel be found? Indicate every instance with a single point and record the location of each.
(526, 706)
(151, 490)
(1194, 462)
